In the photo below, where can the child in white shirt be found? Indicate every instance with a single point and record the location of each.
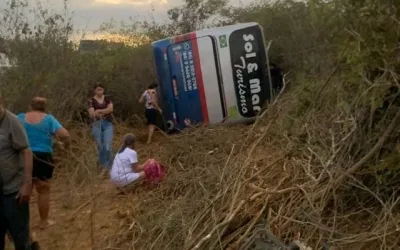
(125, 169)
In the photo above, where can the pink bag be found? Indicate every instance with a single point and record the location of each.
(154, 172)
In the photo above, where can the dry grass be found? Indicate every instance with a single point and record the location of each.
(221, 183)
(224, 182)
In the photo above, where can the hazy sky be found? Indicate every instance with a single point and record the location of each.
(92, 13)
(88, 15)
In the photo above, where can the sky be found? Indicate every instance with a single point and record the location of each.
(88, 15)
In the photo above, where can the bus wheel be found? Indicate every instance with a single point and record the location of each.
(170, 125)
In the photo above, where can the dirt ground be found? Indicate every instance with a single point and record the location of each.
(86, 217)
(84, 226)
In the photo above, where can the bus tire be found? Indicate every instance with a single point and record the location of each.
(170, 125)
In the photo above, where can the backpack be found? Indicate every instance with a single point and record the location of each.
(154, 172)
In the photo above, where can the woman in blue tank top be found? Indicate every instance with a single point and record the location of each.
(40, 129)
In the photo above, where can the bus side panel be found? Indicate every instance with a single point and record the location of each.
(166, 97)
(184, 66)
(193, 63)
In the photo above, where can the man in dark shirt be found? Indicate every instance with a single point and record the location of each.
(15, 180)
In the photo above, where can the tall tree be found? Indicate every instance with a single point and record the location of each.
(194, 14)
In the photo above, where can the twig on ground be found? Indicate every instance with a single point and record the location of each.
(72, 216)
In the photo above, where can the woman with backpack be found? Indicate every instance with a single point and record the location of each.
(125, 168)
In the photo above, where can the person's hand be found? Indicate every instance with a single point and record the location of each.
(65, 146)
(98, 114)
(93, 115)
(188, 123)
(24, 193)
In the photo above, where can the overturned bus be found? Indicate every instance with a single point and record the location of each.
(216, 75)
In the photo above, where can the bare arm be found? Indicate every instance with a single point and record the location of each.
(106, 111)
(59, 132)
(141, 100)
(91, 111)
(138, 168)
(64, 136)
(135, 167)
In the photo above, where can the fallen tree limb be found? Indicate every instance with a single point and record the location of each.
(253, 223)
(225, 222)
(340, 179)
(377, 146)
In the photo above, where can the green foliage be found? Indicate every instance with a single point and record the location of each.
(194, 14)
(300, 31)
(67, 80)
(388, 168)
(48, 64)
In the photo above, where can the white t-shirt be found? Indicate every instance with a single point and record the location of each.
(122, 165)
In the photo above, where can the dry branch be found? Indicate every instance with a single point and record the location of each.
(73, 215)
(222, 224)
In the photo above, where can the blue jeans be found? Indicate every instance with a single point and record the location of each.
(102, 132)
(14, 218)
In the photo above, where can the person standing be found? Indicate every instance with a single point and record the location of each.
(151, 108)
(100, 110)
(15, 180)
(41, 128)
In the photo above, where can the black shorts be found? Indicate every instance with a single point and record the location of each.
(42, 166)
(151, 116)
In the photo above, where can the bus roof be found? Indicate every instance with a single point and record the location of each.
(226, 28)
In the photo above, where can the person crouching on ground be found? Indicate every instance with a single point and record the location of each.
(40, 128)
(126, 169)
